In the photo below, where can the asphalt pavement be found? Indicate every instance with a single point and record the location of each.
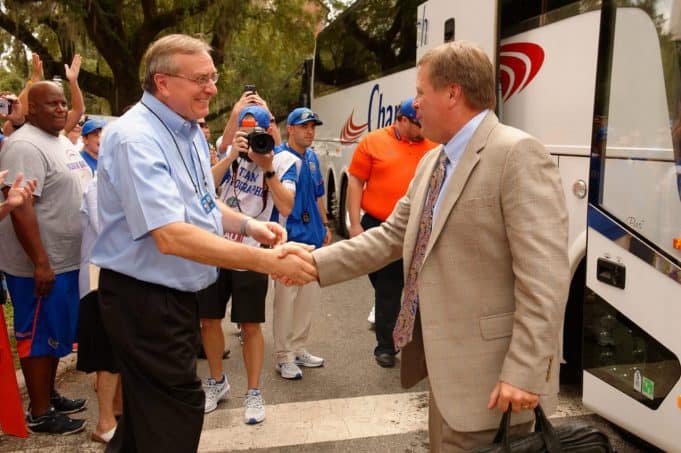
(349, 405)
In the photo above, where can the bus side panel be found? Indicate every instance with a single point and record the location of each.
(557, 105)
(652, 300)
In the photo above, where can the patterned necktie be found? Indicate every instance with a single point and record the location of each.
(404, 328)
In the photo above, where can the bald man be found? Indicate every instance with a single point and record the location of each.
(40, 254)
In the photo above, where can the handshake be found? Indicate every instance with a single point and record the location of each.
(296, 264)
(290, 263)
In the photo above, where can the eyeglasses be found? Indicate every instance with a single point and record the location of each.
(414, 122)
(201, 80)
(201, 124)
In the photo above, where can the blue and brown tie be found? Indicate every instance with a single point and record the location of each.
(404, 328)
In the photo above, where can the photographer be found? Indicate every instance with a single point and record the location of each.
(249, 98)
(254, 183)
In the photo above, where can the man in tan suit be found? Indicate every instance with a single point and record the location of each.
(490, 278)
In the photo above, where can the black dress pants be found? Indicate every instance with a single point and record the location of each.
(154, 332)
(387, 282)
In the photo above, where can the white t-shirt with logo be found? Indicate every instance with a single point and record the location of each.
(248, 193)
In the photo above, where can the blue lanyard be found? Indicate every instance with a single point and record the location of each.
(191, 156)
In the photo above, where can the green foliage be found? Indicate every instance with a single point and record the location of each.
(263, 42)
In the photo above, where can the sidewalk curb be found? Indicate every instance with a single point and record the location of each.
(66, 364)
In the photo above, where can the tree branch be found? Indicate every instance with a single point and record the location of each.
(22, 33)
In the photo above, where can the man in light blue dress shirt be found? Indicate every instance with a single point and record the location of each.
(161, 241)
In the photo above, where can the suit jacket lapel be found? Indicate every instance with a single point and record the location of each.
(469, 159)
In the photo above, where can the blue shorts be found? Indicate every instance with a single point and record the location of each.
(45, 326)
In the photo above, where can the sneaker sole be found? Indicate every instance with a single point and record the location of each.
(289, 377)
(253, 421)
(65, 433)
(309, 365)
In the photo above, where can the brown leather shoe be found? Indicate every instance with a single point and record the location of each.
(385, 360)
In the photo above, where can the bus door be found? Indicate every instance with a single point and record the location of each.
(632, 305)
(441, 21)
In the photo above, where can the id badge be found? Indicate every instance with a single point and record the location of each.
(305, 217)
(207, 203)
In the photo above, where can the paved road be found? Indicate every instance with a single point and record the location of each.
(349, 405)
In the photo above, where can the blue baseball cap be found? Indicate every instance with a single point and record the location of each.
(303, 115)
(407, 109)
(92, 125)
(262, 116)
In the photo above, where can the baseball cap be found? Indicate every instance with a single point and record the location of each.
(262, 116)
(303, 115)
(407, 109)
(92, 125)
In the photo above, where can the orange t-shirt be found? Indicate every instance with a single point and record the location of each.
(387, 164)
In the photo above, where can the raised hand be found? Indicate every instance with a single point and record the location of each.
(36, 68)
(73, 70)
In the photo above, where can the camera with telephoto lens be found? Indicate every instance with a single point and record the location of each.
(260, 141)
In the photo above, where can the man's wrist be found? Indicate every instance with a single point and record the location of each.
(243, 225)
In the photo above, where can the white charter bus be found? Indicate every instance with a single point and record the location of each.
(598, 83)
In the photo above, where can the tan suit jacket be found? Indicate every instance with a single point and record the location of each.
(494, 281)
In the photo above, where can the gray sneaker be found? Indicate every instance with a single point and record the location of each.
(308, 360)
(254, 407)
(289, 370)
(215, 392)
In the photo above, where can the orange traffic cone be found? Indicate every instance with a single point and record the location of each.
(11, 410)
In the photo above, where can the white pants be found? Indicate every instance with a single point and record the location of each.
(293, 306)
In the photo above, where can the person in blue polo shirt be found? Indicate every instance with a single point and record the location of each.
(91, 133)
(307, 224)
(161, 240)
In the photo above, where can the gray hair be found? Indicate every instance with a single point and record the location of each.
(159, 56)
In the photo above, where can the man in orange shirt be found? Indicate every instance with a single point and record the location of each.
(380, 172)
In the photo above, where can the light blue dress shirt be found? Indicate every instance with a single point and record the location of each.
(147, 180)
(454, 149)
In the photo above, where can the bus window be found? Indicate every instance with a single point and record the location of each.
(642, 145)
(370, 39)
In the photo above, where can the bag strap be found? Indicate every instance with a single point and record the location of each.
(542, 426)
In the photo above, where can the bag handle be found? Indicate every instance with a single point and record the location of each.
(542, 426)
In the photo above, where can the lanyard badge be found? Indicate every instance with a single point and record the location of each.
(207, 203)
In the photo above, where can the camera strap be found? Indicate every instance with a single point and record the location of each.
(264, 192)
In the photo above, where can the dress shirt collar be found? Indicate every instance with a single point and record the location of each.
(457, 144)
(175, 122)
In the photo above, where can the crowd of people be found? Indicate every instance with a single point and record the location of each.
(130, 238)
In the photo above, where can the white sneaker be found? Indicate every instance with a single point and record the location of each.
(254, 407)
(289, 370)
(215, 392)
(372, 315)
(308, 360)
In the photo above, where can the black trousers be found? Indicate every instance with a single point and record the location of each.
(387, 282)
(154, 332)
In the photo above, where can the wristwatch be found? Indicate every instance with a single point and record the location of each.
(269, 174)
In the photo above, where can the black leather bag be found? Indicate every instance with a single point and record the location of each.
(570, 437)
